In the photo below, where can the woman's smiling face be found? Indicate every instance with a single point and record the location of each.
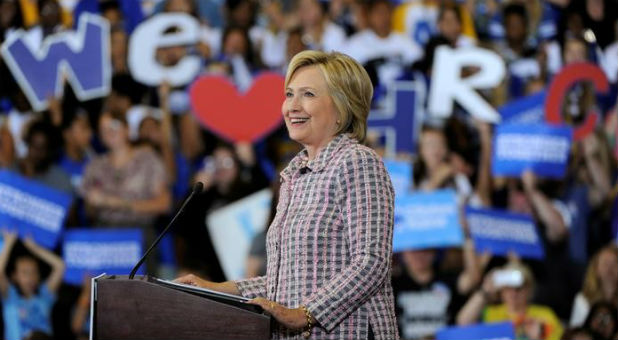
(308, 109)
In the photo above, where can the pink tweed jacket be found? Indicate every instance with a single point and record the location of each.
(329, 246)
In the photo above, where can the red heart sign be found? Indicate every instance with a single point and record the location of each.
(238, 117)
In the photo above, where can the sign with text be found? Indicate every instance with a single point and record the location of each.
(32, 208)
(500, 232)
(426, 220)
(526, 110)
(83, 57)
(449, 86)
(90, 252)
(542, 148)
(237, 224)
(153, 34)
(398, 120)
(486, 331)
(560, 86)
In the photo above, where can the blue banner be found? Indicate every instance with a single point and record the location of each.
(90, 252)
(499, 232)
(82, 56)
(32, 208)
(527, 110)
(426, 220)
(401, 175)
(488, 331)
(397, 121)
(541, 148)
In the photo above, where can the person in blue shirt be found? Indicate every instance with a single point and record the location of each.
(26, 301)
(76, 134)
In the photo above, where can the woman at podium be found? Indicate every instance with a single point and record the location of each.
(329, 246)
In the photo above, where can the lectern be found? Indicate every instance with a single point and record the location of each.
(149, 308)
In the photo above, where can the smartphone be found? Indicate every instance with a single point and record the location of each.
(508, 278)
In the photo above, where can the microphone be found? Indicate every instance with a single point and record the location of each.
(197, 188)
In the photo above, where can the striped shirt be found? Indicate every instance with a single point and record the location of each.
(329, 246)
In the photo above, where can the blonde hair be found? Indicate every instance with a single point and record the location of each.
(348, 84)
(592, 284)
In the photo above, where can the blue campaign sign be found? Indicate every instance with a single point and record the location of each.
(32, 208)
(401, 175)
(82, 56)
(426, 220)
(500, 231)
(542, 148)
(527, 110)
(397, 121)
(487, 331)
(90, 252)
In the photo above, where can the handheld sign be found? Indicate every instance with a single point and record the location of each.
(398, 120)
(151, 35)
(426, 220)
(401, 175)
(237, 224)
(500, 232)
(90, 252)
(448, 86)
(542, 148)
(82, 56)
(491, 331)
(526, 110)
(236, 116)
(32, 208)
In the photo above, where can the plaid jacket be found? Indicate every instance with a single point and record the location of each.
(329, 246)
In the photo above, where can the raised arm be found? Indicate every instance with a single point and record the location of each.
(598, 165)
(483, 182)
(9, 241)
(471, 312)
(56, 263)
(556, 229)
(473, 268)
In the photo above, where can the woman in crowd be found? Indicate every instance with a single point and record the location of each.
(127, 186)
(515, 285)
(600, 284)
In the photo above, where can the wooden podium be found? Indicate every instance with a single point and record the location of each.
(148, 308)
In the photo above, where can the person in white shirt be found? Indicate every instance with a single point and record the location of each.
(393, 51)
(450, 25)
(318, 33)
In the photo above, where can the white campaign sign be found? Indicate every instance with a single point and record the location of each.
(149, 36)
(448, 86)
(233, 227)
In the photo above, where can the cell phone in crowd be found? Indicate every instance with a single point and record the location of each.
(508, 278)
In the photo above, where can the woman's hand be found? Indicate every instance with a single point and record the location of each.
(193, 280)
(533, 328)
(290, 318)
(442, 174)
(9, 236)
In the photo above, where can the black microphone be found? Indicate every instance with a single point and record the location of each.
(197, 188)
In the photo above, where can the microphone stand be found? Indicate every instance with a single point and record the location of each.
(196, 188)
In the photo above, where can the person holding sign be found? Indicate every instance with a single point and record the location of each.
(329, 246)
(26, 303)
(515, 285)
